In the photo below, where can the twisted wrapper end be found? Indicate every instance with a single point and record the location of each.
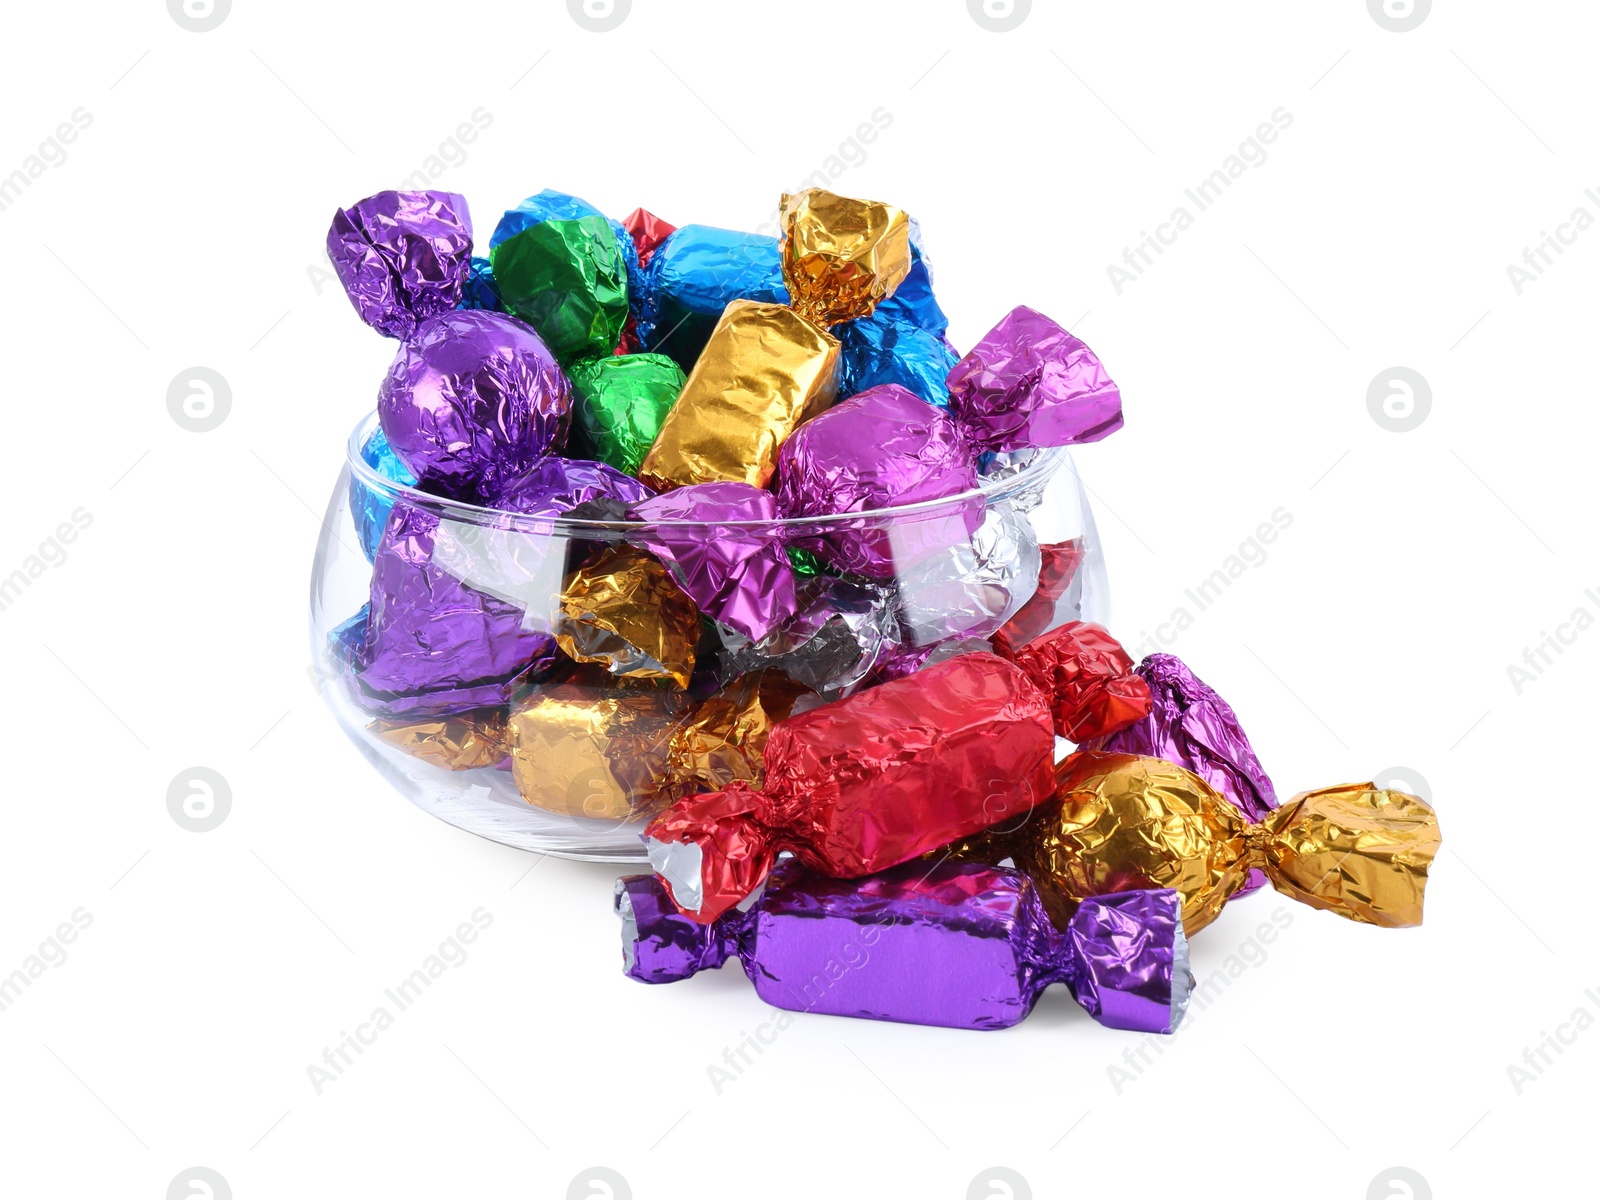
(712, 850)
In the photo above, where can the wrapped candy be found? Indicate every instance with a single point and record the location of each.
(960, 945)
(622, 609)
(369, 508)
(904, 659)
(593, 748)
(1121, 821)
(970, 590)
(480, 290)
(840, 631)
(1190, 725)
(556, 485)
(461, 742)
(1058, 598)
(694, 273)
(738, 573)
(865, 783)
(648, 231)
(558, 266)
(841, 257)
(619, 404)
(725, 739)
(882, 350)
(1089, 677)
(402, 257)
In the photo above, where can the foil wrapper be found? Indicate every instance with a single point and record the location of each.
(1190, 725)
(764, 373)
(959, 945)
(841, 257)
(1120, 821)
(1031, 383)
(556, 485)
(568, 279)
(480, 290)
(725, 738)
(595, 749)
(633, 272)
(1089, 678)
(883, 448)
(693, 275)
(648, 231)
(548, 205)
(620, 403)
(1057, 600)
(903, 659)
(883, 350)
(621, 609)
(471, 402)
(913, 302)
(402, 257)
(738, 574)
(461, 742)
(840, 631)
(865, 783)
(971, 590)
(368, 508)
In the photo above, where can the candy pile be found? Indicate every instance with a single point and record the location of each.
(735, 566)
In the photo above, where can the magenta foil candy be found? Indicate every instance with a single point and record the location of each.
(955, 944)
(402, 257)
(1031, 383)
(738, 575)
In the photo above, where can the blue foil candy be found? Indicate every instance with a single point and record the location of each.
(877, 350)
(369, 508)
(548, 205)
(480, 290)
(691, 278)
(913, 300)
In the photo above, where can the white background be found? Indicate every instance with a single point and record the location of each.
(181, 230)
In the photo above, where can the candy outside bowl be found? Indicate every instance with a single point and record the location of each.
(443, 635)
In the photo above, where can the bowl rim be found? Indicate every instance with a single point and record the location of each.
(1041, 467)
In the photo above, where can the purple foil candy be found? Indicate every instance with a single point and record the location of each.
(1031, 383)
(471, 402)
(402, 257)
(956, 944)
(556, 485)
(740, 577)
(884, 447)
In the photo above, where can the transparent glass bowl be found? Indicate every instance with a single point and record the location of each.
(589, 798)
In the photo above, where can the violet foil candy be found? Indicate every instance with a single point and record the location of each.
(1031, 383)
(959, 944)
(402, 257)
(737, 575)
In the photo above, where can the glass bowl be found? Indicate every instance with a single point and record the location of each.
(538, 752)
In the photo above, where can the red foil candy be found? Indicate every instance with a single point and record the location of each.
(1088, 676)
(647, 231)
(1058, 567)
(867, 782)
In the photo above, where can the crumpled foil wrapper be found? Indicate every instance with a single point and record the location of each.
(841, 257)
(548, 205)
(1088, 678)
(368, 508)
(882, 350)
(460, 742)
(569, 280)
(693, 275)
(1057, 600)
(621, 609)
(725, 739)
(1031, 383)
(620, 403)
(737, 574)
(883, 448)
(971, 590)
(866, 783)
(869, 947)
(648, 231)
(764, 373)
(841, 630)
(1119, 821)
(471, 402)
(402, 257)
(480, 290)
(594, 748)
(904, 659)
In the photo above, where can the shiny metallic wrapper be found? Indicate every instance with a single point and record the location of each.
(1058, 599)
(1121, 821)
(841, 257)
(595, 749)
(692, 275)
(462, 742)
(402, 257)
(726, 737)
(370, 509)
(1088, 677)
(972, 589)
(622, 609)
(960, 945)
(619, 405)
(568, 279)
(840, 632)
(764, 373)
(480, 290)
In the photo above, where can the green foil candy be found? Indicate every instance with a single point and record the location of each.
(566, 279)
(620, 404)
(805, 563)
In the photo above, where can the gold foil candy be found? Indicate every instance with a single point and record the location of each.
(726, 738)
(841, 256)
(765, 372)
(461, 742)
(1123, 821)
(622, 609)
(594, 747)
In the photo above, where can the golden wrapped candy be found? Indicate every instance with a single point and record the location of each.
(841, 256)
(457, 743)
(765, 371)
(726, 739)
(622, 609)
(594, 747)
(1122, 821)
